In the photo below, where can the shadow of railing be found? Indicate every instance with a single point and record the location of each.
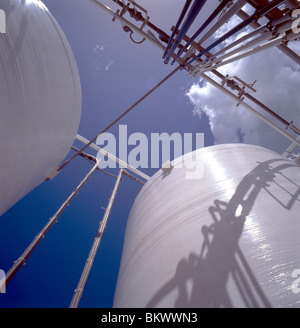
(202, 279)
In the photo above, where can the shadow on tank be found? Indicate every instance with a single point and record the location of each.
(201, 279)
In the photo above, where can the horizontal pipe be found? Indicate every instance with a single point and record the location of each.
(251, 109)
(282, 47)
(260, 30)
(260, 39)
(114, 158)
(265, 35)
(267, 45)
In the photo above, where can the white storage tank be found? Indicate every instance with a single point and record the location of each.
(40, 98)
(227, 237)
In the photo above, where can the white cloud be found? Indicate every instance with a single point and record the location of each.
(102, 60)
(111, 62)
(277, 87)
(97, 50)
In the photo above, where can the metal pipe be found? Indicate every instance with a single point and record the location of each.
(139, 17)
(269, 44)
(283, 27)
(92, 254)
(250, 44)
(267, 109)
(260, 30)
(215, 13)
(128, 23)
(114, 158)
(240, 101)
(258, 14)
(265, 35)
(288, 125)
(121, 116)
(290, 149)
(236, 9)
(197, 6)
(184, 10)
(282, 47)
(290, 53)
(133, 177)
(22, 259)
(230, 13)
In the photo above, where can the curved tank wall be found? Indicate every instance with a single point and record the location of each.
(226, 237)
(40, 98)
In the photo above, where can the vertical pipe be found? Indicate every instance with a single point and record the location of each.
(258, 14)
(230, 13)
(197, 6)
(89, 262)
(22, 259)
(184, 10)
(203, 26)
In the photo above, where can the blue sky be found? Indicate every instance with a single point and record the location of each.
(114, 73)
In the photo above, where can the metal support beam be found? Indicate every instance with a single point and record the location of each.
(290, 149)
(209, 20)
(197, 6)
(22, 259)
(113, 158)
(184, 10)
(282, 47)
(264, 46)
(240, 101)
(129, 24)
(230, 13)
(268, 32)
(236, 9)
(253, 18)
(90, 260)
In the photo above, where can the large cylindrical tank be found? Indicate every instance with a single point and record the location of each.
(226, 235)
(40, 98)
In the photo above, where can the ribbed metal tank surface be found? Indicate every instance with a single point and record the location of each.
(40, 97)
(229, 237)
